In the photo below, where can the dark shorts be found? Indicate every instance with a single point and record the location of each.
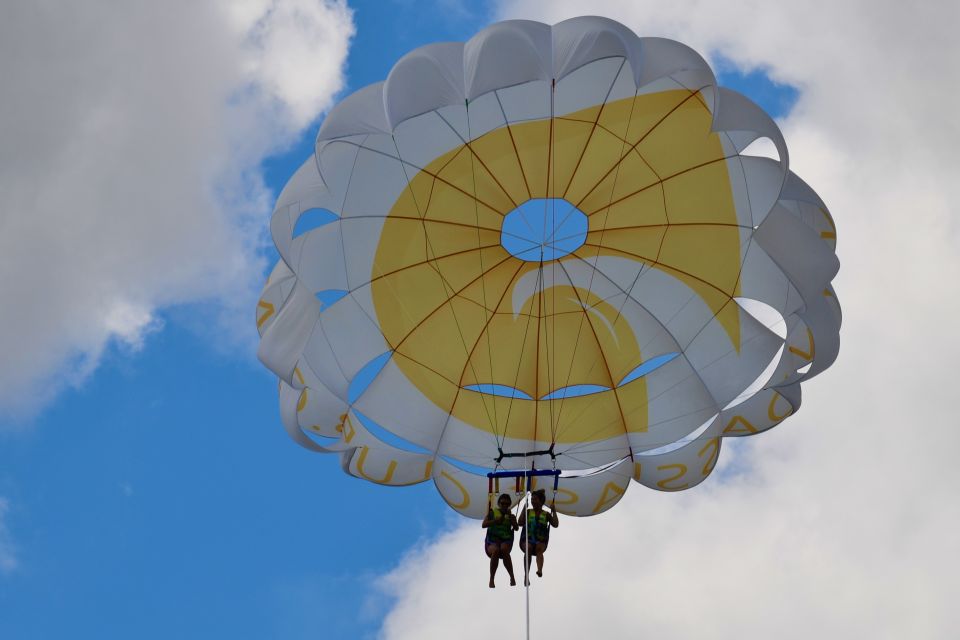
(533, 543)
(496, 541)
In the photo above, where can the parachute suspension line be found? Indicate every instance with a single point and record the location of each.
(603, 228)
(554, 417)
(483, 279)
(549, 345)
(516, 379)
(343, 248)
(545, 341)
(449, 289)
(526, 330)
(506, 120)
(552, 333)
(694, 373)
(660, 180)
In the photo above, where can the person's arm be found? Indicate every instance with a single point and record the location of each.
(513, 522)
(489, 520)
(554, 521)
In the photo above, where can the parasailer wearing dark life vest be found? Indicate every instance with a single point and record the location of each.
(500, 525)
(536, 530)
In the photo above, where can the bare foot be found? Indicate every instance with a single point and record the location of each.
(526, 582)
(492, 586)
(540, 573)
(513, 581)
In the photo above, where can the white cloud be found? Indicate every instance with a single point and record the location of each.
(8, 557)
(132, 138)
(843, 520)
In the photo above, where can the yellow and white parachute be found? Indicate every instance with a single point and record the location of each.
(543, 249)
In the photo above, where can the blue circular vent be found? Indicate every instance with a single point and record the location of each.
(543, 229)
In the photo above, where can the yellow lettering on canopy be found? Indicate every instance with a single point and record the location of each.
(811, 351)
(611, 493)
(772, 414)
(681, 471)
(346, 424)
(832, 235)
(636, 471)
(302, 402)
(713, 444)
(571, 498)
(268, 311)
(298, 375)
(466, 496)
(734, 429)
(390, 468)
(428, 470)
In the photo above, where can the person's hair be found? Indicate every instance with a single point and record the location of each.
(502, 496)
(541, 493)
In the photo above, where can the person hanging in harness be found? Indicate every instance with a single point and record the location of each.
(500, 525)
(536, 530)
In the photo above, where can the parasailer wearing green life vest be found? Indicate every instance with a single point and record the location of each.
(536, 532)
(500, 525)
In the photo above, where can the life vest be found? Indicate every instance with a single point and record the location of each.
(502, 530)
(538, 527)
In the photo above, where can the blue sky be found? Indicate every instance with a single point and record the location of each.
(162, 498)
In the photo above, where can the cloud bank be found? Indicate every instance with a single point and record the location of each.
(130, 179)
(843, 520)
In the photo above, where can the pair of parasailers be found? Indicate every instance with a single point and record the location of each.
(501, 524)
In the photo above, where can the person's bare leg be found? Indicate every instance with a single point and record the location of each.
(494, 554)
(540, 549)
(508, 562)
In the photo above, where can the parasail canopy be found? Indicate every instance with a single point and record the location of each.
(544, 249)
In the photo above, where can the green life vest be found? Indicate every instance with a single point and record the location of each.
(538, 527)
(502, 530)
